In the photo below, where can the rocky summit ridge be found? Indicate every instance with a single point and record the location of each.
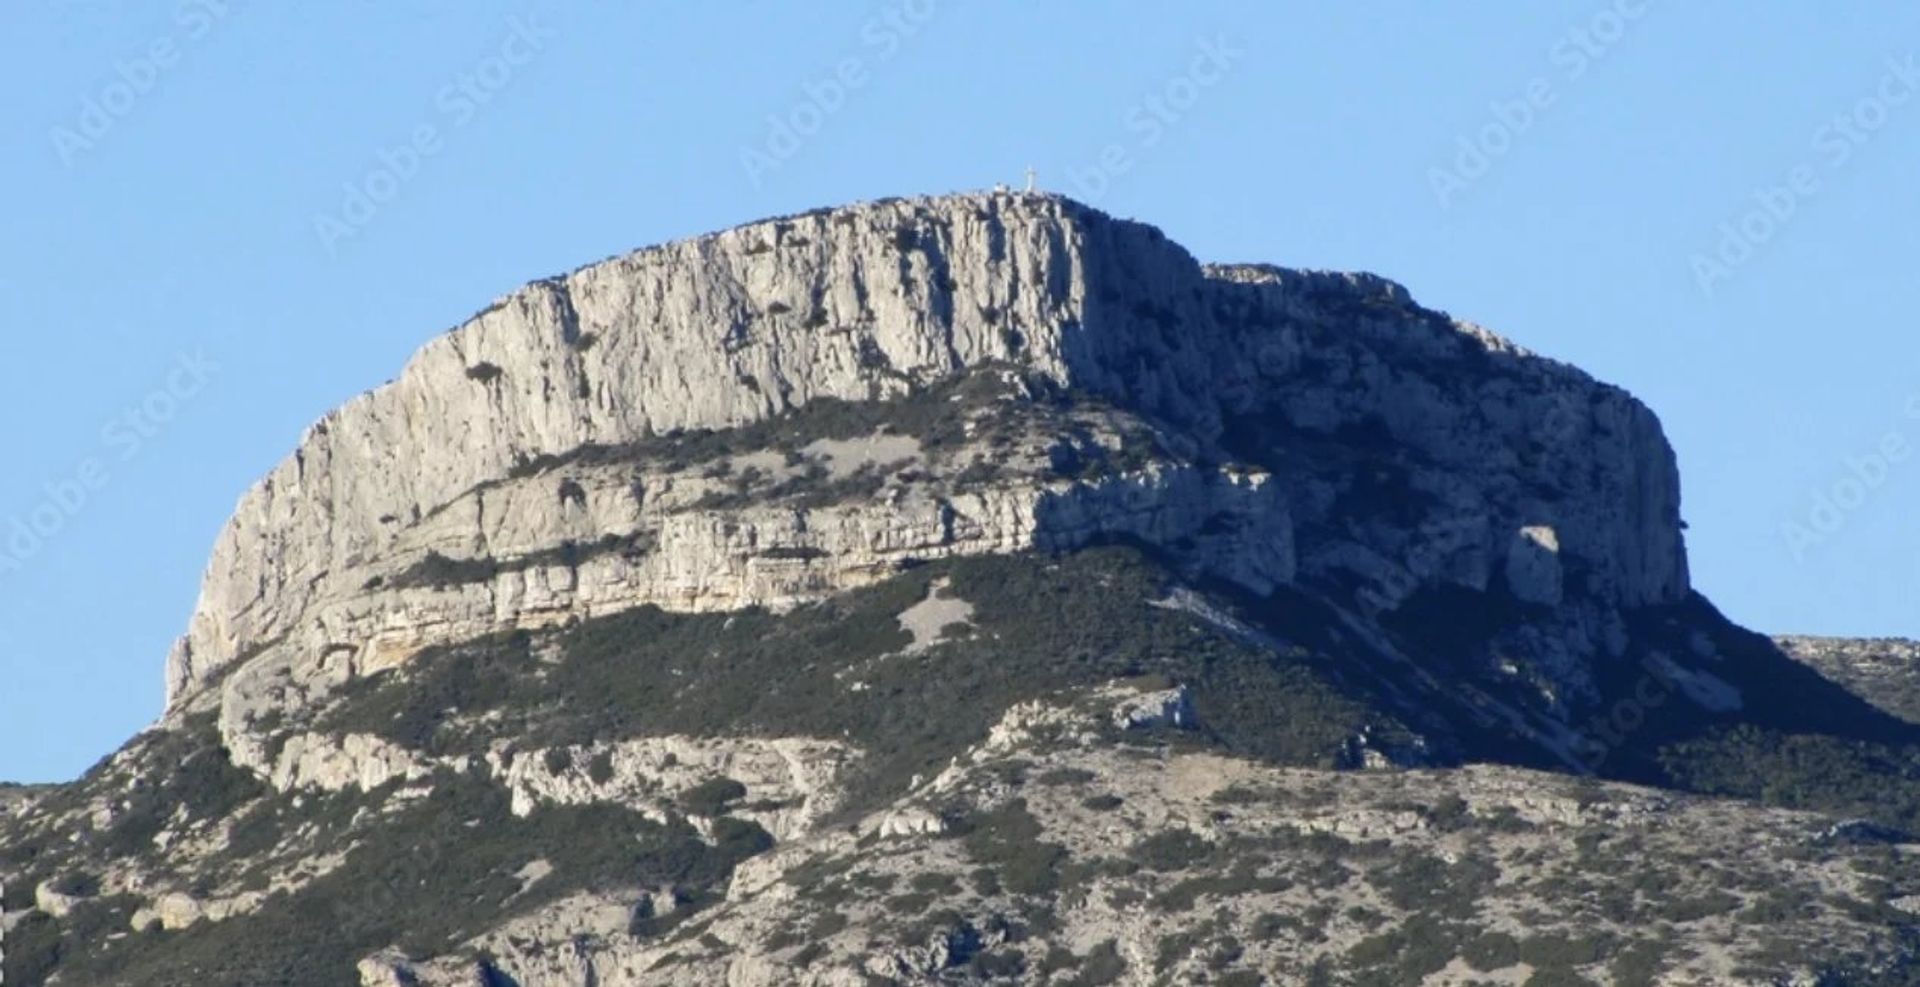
(976, 588)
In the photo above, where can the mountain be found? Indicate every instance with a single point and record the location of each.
(974, 589)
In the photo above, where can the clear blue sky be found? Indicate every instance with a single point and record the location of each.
(177, 178)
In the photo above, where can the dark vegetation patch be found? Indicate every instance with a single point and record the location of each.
(1041, 625)
(1172, 850)
(1405, 954)
(712, 797)
(1798, 740)
(189, 780)
(40, 945)
(1430, 885)
(438, 871)
(437, 571)
(991, 404)
(1243, 878)
(1451, 619)
(1008, 840)
(1874, 781)
(1066, 776)
(936, 415)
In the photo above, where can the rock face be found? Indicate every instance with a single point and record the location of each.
(868, 302)
(797, 779)
(977, 589)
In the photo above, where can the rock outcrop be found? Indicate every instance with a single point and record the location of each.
(1186, 865)
(1531, 467)
(977, 589)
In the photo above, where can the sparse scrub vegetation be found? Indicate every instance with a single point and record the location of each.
(1041, 625)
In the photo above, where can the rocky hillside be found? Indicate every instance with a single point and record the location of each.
(1883, 671)
(972, 589)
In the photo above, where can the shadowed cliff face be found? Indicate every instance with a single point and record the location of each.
(880, 300)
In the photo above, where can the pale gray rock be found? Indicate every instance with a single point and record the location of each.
(353, 761)
(387, 969)
(53, 902)
(1163, 708)
(862, 302)
(1517, 829)
(1233, 525)
(178, 910)
(1533, 565)
(791, 783)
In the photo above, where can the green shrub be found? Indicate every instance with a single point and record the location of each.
(1420, 883)
(1562, 951)
(1007, 839)
(712, 797)
(1042, 625)
(1419, 946)
(1173, 850)
(934, 882)
(432, 874)
(997, 964)
(1244, 879)
(910, 904)
(1875, 781)
(1174, 947)
(738, 839)
(1491, 951)
(33, 950)
(1638, 964)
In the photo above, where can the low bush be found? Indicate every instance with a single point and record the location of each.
(1172, 850)
(437, 872)
(711, 797)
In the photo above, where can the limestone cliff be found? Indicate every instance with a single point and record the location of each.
(1529, 472)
